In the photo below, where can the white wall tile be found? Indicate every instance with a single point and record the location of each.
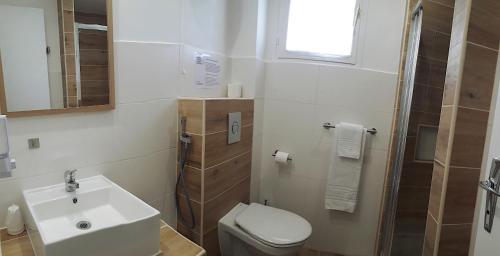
(271, 28)
(304, 193)
(144, 177)
(241, 36)
(287, 117)
(169, 213)
(61, 143)
(244, 71)
(258, 116)
(155, 21)
(260, 87)
(291, 81)
(147, 71)
(144, 128)
(261, 27)
(382, 19)
(256, 167)
(204, 24)
(356, 88)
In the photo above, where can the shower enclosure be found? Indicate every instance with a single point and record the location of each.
(401, 130)
(409, 178)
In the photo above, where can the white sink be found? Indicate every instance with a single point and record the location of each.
(120, 223)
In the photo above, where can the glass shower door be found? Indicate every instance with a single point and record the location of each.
(406, 96)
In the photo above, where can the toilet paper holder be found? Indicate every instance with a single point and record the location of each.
(276, 151)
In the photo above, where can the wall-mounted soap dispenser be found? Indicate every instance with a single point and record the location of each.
(6, 164)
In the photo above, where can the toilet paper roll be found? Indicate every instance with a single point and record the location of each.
(234, 90)
(14, 221)
(281, 157)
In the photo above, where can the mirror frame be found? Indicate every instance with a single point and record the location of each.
(96, 108)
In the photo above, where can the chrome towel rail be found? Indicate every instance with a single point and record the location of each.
(371, 131)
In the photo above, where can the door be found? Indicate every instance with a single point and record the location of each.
(24, 58)
(487, 243)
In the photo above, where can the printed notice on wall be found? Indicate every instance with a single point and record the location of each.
(207, 71)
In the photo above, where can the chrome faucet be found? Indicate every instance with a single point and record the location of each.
(70, 179)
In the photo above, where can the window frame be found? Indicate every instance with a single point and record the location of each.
(283, 53)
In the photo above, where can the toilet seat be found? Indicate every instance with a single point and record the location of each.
(273, 227)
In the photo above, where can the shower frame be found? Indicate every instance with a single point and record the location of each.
(78, 27)
(401, 130)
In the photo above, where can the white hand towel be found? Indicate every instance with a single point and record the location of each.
(343, 180)
(349, 139)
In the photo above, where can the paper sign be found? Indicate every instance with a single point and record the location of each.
(207, 71)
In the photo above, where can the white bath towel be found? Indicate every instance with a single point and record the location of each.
(343, 180)
(349, 139)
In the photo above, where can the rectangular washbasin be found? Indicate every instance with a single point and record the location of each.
(100, 218)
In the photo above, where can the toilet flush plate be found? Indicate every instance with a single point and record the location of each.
(234, 127)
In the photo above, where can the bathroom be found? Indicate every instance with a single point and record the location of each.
(211, 127)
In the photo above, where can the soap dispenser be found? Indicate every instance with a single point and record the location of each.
(6, 164)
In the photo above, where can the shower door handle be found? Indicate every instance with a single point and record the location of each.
(492, 187)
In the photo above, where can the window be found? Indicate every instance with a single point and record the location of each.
(319, 30)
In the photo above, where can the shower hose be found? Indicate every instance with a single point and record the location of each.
(180, 186)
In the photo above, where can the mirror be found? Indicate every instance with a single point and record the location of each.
(56, 56)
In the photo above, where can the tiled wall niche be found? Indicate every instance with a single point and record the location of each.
(462, 132)
(217, 174)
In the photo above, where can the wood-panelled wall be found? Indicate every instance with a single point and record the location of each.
(66, 10)
(217, 174)
(462, 131)
(93, 46)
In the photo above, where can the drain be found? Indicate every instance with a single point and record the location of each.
(83, 225)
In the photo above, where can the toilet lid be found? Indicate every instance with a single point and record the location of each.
(273, 226)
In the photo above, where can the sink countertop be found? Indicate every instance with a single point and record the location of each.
(171, 243)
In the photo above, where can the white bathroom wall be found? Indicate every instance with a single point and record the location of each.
(245, 42)
(300, 96)
(135, 144)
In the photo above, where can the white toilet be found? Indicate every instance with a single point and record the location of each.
(258, 230)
